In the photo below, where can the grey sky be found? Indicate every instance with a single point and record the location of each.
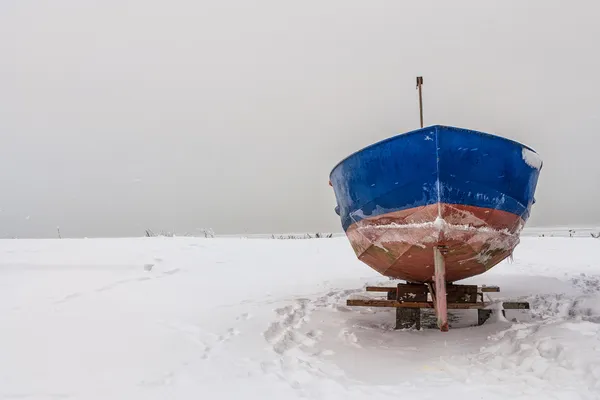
(122, 115)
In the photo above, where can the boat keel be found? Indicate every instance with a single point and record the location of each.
(441, 306)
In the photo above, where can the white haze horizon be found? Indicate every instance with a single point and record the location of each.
(122, 116)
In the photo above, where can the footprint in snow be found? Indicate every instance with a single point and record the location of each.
(68, 297)
(244, 316)
(171, 271)
(231, 332)
(349, 338)
(122, 282)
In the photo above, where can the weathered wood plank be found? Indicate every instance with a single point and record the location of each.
(515, 305)
(508, 305)
(483, 289)
(410, 304)
(379, 289)
(489, 289)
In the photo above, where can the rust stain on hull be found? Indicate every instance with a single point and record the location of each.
(400, 244)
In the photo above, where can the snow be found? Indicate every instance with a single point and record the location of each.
(440, 224)
(420, 233)
(531, 158)
(190, 318)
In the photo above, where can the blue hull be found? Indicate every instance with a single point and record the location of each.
(436, 165)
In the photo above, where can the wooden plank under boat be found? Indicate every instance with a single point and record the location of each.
(466, 193)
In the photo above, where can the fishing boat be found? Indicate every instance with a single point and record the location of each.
(436, 205)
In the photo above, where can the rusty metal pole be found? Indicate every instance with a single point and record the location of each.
(419, 84)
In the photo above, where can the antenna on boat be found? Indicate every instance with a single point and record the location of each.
(419, 84)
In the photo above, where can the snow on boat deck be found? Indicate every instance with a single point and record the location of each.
(187, 318)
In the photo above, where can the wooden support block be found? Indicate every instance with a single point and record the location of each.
(415, 286)
(407, 292)
(408, 299)
(407, 318)
(483, 315)
(461, 293)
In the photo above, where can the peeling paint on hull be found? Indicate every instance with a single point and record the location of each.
(400, 244)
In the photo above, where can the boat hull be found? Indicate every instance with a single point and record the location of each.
(466, 192)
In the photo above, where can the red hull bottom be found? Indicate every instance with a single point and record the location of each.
(401, 244)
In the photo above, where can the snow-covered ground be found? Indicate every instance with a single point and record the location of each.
(188, 318)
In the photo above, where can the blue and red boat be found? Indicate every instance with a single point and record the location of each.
(464, 192)
(436, 205)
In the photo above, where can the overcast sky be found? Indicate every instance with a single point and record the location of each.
(122, 115)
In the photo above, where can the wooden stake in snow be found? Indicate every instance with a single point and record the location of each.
(419, 84)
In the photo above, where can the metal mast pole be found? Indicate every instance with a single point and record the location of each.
(419, 84)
